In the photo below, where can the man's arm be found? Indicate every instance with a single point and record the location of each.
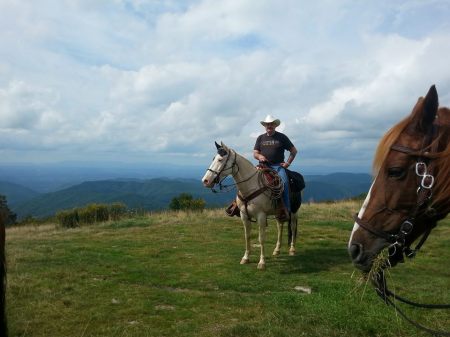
(293, 153)
(258, 156)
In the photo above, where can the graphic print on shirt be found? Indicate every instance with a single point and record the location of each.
(273, 142)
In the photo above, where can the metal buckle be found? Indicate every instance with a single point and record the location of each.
(392, 249)
(421, 169)
(406, 227)
(410, 253)
(427, 181)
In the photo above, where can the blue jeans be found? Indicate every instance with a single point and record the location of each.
(282, 172)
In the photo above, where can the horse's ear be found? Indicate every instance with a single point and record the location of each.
(217, 145)
(430, 108)
(222, 145)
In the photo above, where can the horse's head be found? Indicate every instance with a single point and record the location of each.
(220, 167)
(409, 185)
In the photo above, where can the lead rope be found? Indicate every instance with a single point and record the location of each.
(381, 288)
(270, 181)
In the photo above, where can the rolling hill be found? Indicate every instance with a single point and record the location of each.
(16, 194)
(156, 194)
(150, 194)
(336, 186)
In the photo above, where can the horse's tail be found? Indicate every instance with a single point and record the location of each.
(296, 202)
(3, 323)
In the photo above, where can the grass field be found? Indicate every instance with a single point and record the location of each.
(178, 274)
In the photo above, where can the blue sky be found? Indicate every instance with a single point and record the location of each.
(159, 81)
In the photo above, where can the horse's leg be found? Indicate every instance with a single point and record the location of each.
(247, 229)
(276, 251)
(293, 225)
(262, 222)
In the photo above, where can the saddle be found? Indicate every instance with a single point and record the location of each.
(296, 185)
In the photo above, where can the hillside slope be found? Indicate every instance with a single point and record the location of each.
(16, 194)
(154, 194)
(150, 194)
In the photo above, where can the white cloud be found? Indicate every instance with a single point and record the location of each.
(26, 107)
(163, 80)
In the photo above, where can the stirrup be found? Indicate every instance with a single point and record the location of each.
(233, 209)
(282, 214)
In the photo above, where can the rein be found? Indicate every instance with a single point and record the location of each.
(275, 186)
(424, 192)
(426, 181)
(225, 188)
(381, 287)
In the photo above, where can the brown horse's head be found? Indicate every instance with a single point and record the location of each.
(411, 188)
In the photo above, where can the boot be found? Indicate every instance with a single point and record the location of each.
(282, 213)
(233, 209)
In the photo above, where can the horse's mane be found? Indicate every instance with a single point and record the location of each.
(441, 159)
(384, 147)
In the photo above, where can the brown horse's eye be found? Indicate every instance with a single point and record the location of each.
(396, 172)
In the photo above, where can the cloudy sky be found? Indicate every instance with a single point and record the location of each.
(159, 81)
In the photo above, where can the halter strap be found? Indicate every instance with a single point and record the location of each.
(252, 196)
(407, 150)
(391, 238)
(424, 194)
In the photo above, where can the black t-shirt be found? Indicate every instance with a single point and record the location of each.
(273, 147)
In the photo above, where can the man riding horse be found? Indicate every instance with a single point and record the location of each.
(269, 150)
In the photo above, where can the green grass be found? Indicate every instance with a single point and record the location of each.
(178, 274)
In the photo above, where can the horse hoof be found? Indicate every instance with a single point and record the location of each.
(292, 253)
(245, 261)
(261, 266)
(276, 252)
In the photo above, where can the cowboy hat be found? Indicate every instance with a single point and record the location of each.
(270, 119)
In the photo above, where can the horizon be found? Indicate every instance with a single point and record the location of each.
(166, 167)
(158, 82)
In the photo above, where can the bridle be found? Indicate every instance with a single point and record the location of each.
(424, 193)
(217, 181)
(425, 182)
(381, 287)
(274, 187)
(398, 246)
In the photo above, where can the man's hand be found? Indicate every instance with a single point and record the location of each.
(262, 158)
(285, 165)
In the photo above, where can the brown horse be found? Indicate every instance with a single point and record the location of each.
(411, 189)
(3, 326)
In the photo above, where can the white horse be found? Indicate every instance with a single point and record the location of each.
(253, 198)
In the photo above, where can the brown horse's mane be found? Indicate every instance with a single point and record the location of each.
(441, 159)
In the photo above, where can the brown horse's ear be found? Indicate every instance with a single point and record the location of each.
(430, 108)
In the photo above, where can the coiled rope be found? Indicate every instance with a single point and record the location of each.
(270, 179)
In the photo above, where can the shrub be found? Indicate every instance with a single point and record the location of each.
(186, 202)
(117, 211)
(68, 218)
(90, 214)
(93, 213)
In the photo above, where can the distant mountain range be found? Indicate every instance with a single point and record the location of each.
(16, 194)
(156, 194)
